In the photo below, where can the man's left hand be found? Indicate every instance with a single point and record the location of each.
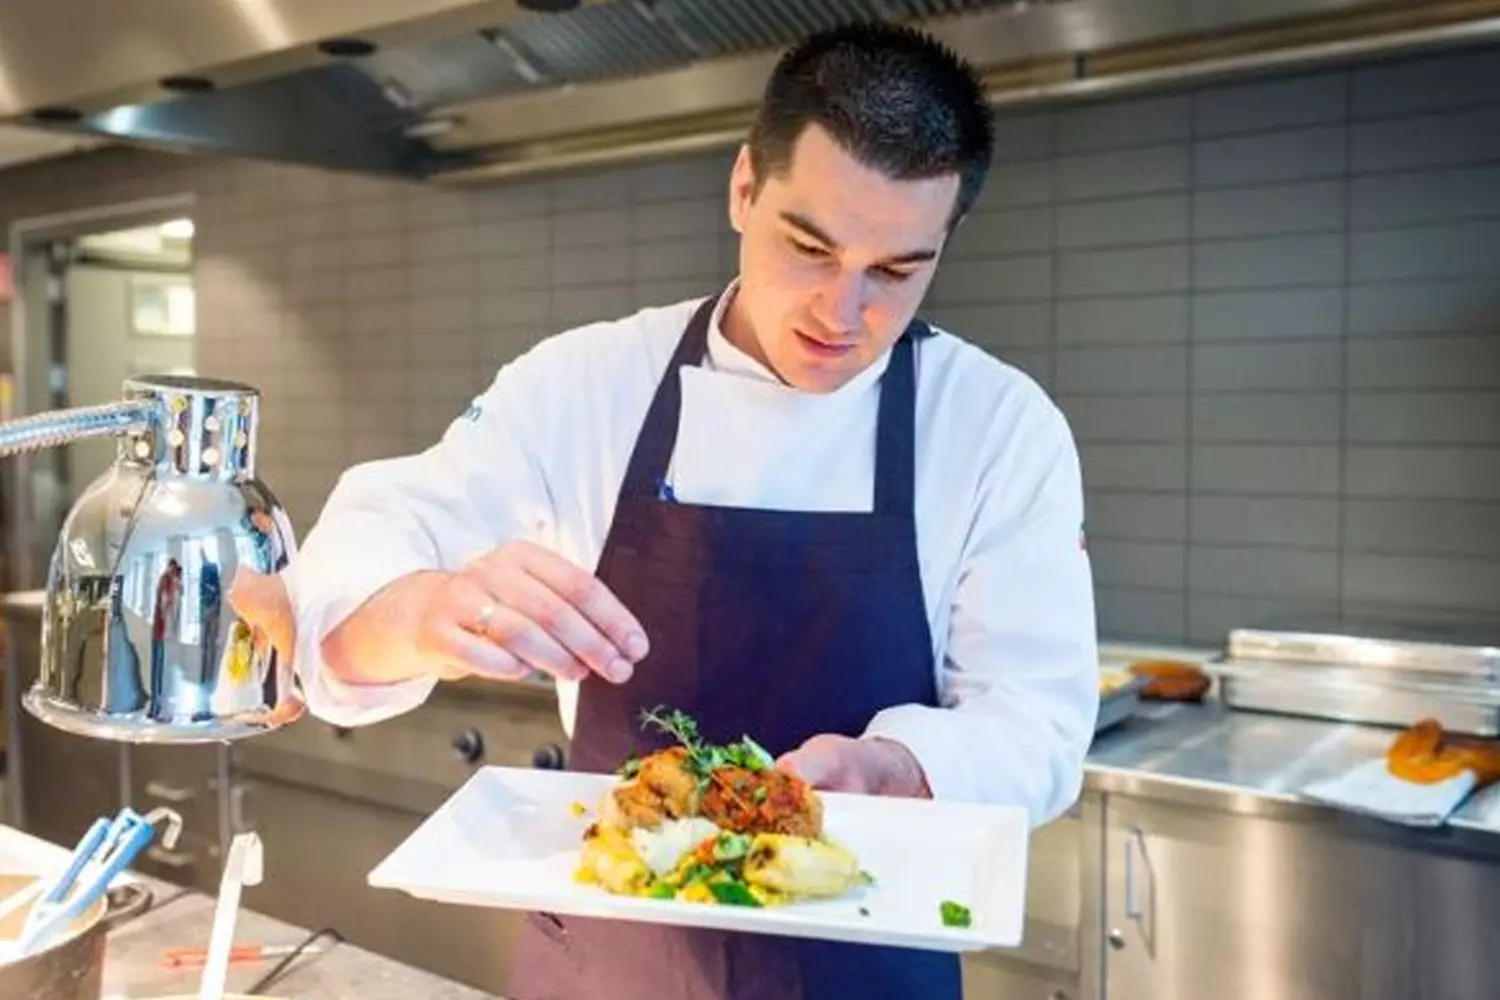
(870, 766)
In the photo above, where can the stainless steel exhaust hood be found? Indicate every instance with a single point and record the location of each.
(473, 90)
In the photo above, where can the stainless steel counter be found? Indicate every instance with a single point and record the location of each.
(1188, 815)
(181, 918)
(1249, 763)
(1203, 872)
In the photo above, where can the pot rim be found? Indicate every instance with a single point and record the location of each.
(119, 902)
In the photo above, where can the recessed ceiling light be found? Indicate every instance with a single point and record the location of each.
(348, 48)
(57, 115)
(186, 84)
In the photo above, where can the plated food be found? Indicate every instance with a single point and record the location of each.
(716, 824)
(948, 875)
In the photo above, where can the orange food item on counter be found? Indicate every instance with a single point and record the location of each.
(1425, 754)
(1171, 680)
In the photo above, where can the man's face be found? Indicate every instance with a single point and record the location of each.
(835, 258)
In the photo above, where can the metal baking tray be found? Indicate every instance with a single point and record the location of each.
(1120, 704)
(1351, 696)
(1470, 652)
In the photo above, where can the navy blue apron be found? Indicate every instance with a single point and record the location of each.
(780, 625)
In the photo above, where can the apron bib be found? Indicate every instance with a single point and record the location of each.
(780, 625)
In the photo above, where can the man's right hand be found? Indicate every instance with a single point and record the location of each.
(517, 609)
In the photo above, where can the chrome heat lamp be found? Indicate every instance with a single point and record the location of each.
(139, 641)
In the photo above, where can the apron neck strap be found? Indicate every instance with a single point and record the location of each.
(895, 433)
(896, 427)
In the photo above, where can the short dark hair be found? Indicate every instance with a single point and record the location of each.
(894, 98)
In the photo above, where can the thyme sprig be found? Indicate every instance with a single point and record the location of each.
(703, 758)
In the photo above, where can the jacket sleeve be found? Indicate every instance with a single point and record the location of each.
(479, 485)
(1019, 681)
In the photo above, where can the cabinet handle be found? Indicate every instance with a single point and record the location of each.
(170, 859)
(168, 793)
(1132, 911)
(1144, 917)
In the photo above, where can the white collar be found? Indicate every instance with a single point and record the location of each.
(728, 359)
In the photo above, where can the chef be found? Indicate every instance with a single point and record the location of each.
(790, 509)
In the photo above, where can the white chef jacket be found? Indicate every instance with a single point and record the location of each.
(541, 454)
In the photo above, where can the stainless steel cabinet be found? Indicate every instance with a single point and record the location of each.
(331, 804)
(988, 978)
(1055, 900)
(1049, 963)
(186, 779)
(1208, 903)
(315, 877)
(1200, 904)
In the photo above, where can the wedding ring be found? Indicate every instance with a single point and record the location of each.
(485, 614)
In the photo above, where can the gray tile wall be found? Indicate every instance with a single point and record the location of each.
(1270, 310)
(370, 311)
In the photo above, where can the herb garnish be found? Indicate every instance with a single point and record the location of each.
(674, 723)
(731, 847)
(704, 758)
(954, 914)
(732, 893)
(722, 878)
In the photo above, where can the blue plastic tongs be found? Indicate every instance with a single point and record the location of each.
(105, 850)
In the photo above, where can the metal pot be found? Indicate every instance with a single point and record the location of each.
(72, 967)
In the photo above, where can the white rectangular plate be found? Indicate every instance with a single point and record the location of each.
(509, 839)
